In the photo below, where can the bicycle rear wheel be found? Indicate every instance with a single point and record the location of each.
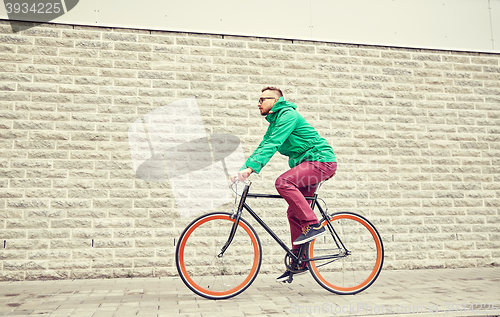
(201, 268)
(353, 269)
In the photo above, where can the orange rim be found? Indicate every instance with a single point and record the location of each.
(234, 289)
(375, 268)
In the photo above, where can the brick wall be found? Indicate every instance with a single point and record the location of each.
(416, 133)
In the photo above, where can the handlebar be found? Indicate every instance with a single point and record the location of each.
(236, 180)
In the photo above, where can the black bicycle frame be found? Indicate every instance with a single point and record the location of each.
(242, 205)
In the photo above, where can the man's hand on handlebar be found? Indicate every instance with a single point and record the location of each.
(242, 175)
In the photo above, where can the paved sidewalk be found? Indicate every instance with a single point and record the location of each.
(440, 292)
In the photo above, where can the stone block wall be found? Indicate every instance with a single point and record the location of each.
(416, 133)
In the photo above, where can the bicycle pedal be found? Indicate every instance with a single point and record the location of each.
(290, 279)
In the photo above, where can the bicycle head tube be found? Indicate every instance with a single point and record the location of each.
(244, 195)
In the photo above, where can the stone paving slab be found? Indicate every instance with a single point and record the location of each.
(437, 292)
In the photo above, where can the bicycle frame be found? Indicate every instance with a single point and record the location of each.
(243, 205)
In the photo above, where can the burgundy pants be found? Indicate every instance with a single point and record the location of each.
(297, 183)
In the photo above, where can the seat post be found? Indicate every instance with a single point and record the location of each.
(321, 183)
(318, 187)
(315, 196)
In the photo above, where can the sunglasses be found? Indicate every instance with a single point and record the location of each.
(261, 100)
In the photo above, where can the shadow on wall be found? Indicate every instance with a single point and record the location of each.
(171, 142)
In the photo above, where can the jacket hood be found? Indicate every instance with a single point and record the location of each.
(278, 106)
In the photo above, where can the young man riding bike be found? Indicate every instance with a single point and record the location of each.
(311, 160)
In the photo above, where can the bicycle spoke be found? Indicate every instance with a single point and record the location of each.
(350, 271)
(204, 271)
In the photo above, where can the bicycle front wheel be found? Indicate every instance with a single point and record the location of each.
(352, 264)
(200, 265)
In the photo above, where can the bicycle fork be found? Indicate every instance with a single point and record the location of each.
(236, 216)
(231, 235)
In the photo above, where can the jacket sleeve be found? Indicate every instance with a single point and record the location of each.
(283, 127)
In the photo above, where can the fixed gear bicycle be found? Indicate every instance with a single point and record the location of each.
(219, 254)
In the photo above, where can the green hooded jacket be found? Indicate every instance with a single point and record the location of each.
(291, 135)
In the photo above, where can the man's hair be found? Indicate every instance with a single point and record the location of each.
(277, 90)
